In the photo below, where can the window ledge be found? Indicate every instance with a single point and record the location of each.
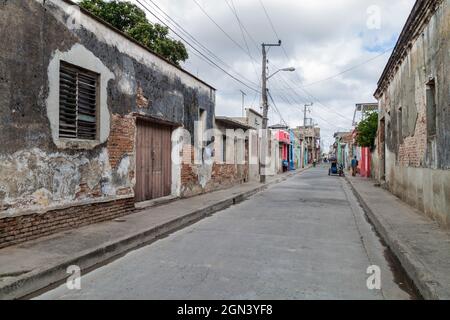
(76, 144)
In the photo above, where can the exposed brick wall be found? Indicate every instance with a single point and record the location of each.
(224, 172)
(86, 192)
(222, 175)
(188, 176)
(228, 174)
(412, 151)
(142, 101)
(121, 138)
(19, 229)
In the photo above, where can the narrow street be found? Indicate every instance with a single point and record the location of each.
(305, 238)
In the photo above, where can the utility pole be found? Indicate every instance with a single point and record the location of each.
(243, 103)
(306, 110)
(264, 138)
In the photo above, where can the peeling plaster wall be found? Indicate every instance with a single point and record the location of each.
(428, 57)
(409, 171)
(38, 171)
(197, 178)
(33, 179)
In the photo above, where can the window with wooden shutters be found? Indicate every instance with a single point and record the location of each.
(77, 103)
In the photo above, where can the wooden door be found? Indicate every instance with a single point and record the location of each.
(153, 161)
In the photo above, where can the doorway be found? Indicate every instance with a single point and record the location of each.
(153, 160)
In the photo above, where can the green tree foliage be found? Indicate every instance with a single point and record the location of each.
(367, 130)
(131, 20)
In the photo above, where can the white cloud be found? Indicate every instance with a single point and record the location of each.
(321, 38)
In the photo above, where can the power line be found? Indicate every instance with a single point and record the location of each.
(194, 48)
(273, 27)
(277, 110)
(257, 46)
(303, 100)
(168, 18)
(289, 102)
(349, 69)
(281, 117)
(221, 29)
(201, 55)
(285, 99)
(270, 20)
(315, 99)
(330, 109)
(346, 70)
(241, 27)
(287, 57)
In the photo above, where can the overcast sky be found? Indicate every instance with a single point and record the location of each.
(321, 39)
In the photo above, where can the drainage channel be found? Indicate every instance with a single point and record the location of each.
(400, 276)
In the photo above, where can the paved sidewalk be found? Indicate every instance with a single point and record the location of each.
(420, 245)
(31, 266)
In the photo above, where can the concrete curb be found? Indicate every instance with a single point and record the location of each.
(40, 279)
(412, 265)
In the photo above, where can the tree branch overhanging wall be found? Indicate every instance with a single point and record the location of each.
(367, 130)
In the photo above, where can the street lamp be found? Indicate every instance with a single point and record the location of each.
(264, 138)
(291, 69)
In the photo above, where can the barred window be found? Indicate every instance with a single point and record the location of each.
(77, 103)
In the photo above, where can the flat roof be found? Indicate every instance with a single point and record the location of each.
(255, 112)
(233, 123)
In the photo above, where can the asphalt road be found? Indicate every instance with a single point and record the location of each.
(305, 238)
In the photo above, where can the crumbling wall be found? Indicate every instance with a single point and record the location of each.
(210, 178)
(198, 176)
(410, 173)
(37, 173)
(34, 179)
(428, 58)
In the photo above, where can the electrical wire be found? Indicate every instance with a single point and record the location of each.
(220, 28)
(189, 35)
(196, 49)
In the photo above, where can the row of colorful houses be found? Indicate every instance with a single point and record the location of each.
(299, 147)
(345, 148)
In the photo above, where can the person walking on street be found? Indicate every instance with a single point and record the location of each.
(354, 166)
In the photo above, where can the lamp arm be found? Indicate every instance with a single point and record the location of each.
(273, 74)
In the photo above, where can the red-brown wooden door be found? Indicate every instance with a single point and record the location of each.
(153, 161)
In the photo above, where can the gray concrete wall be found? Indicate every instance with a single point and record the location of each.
(37, 170)
(254, 120)
(423, 188)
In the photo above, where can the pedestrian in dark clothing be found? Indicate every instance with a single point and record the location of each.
(354, 166)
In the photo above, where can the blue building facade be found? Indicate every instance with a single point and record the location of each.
(291, 150)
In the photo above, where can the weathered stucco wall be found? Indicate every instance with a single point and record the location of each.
(417, 166)
(253, 170)
(215, 173)
(39, 172)
(426, 189)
